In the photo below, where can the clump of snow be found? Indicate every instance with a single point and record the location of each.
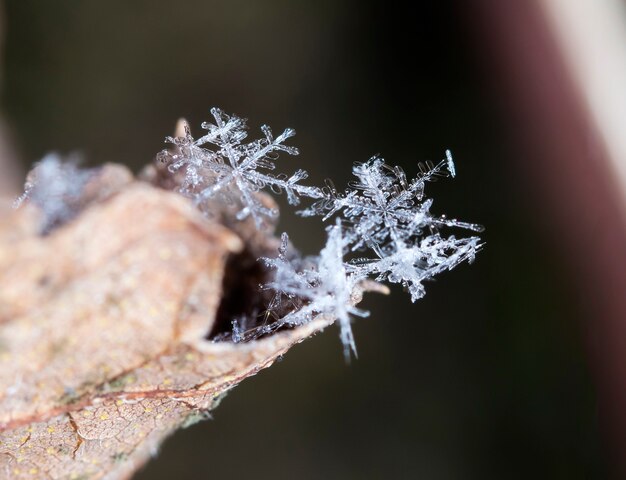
(55, 185)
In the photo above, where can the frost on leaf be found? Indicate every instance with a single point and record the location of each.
(220, 169)
(55, 186)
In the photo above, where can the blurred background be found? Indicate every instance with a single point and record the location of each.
(508, 368)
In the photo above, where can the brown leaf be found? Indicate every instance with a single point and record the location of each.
(103, 327)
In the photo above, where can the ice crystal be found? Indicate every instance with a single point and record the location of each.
(382, 215)
(231, 171)
(55, 186)
(389, 216)
(323, 284)
(385, 215)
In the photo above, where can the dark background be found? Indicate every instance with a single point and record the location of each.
(486, 377)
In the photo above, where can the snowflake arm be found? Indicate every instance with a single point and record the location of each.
(410, 266)
(188, 156)
(450, 164)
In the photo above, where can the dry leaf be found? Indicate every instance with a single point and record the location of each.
(103, 326)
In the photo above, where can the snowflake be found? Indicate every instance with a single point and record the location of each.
(55, 186)
(229, 173)
(389, 216)
(323, 283)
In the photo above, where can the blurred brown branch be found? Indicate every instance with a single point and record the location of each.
(9, 169)
(563, 66)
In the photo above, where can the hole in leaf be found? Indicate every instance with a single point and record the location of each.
(242, 300)
(247, 311)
